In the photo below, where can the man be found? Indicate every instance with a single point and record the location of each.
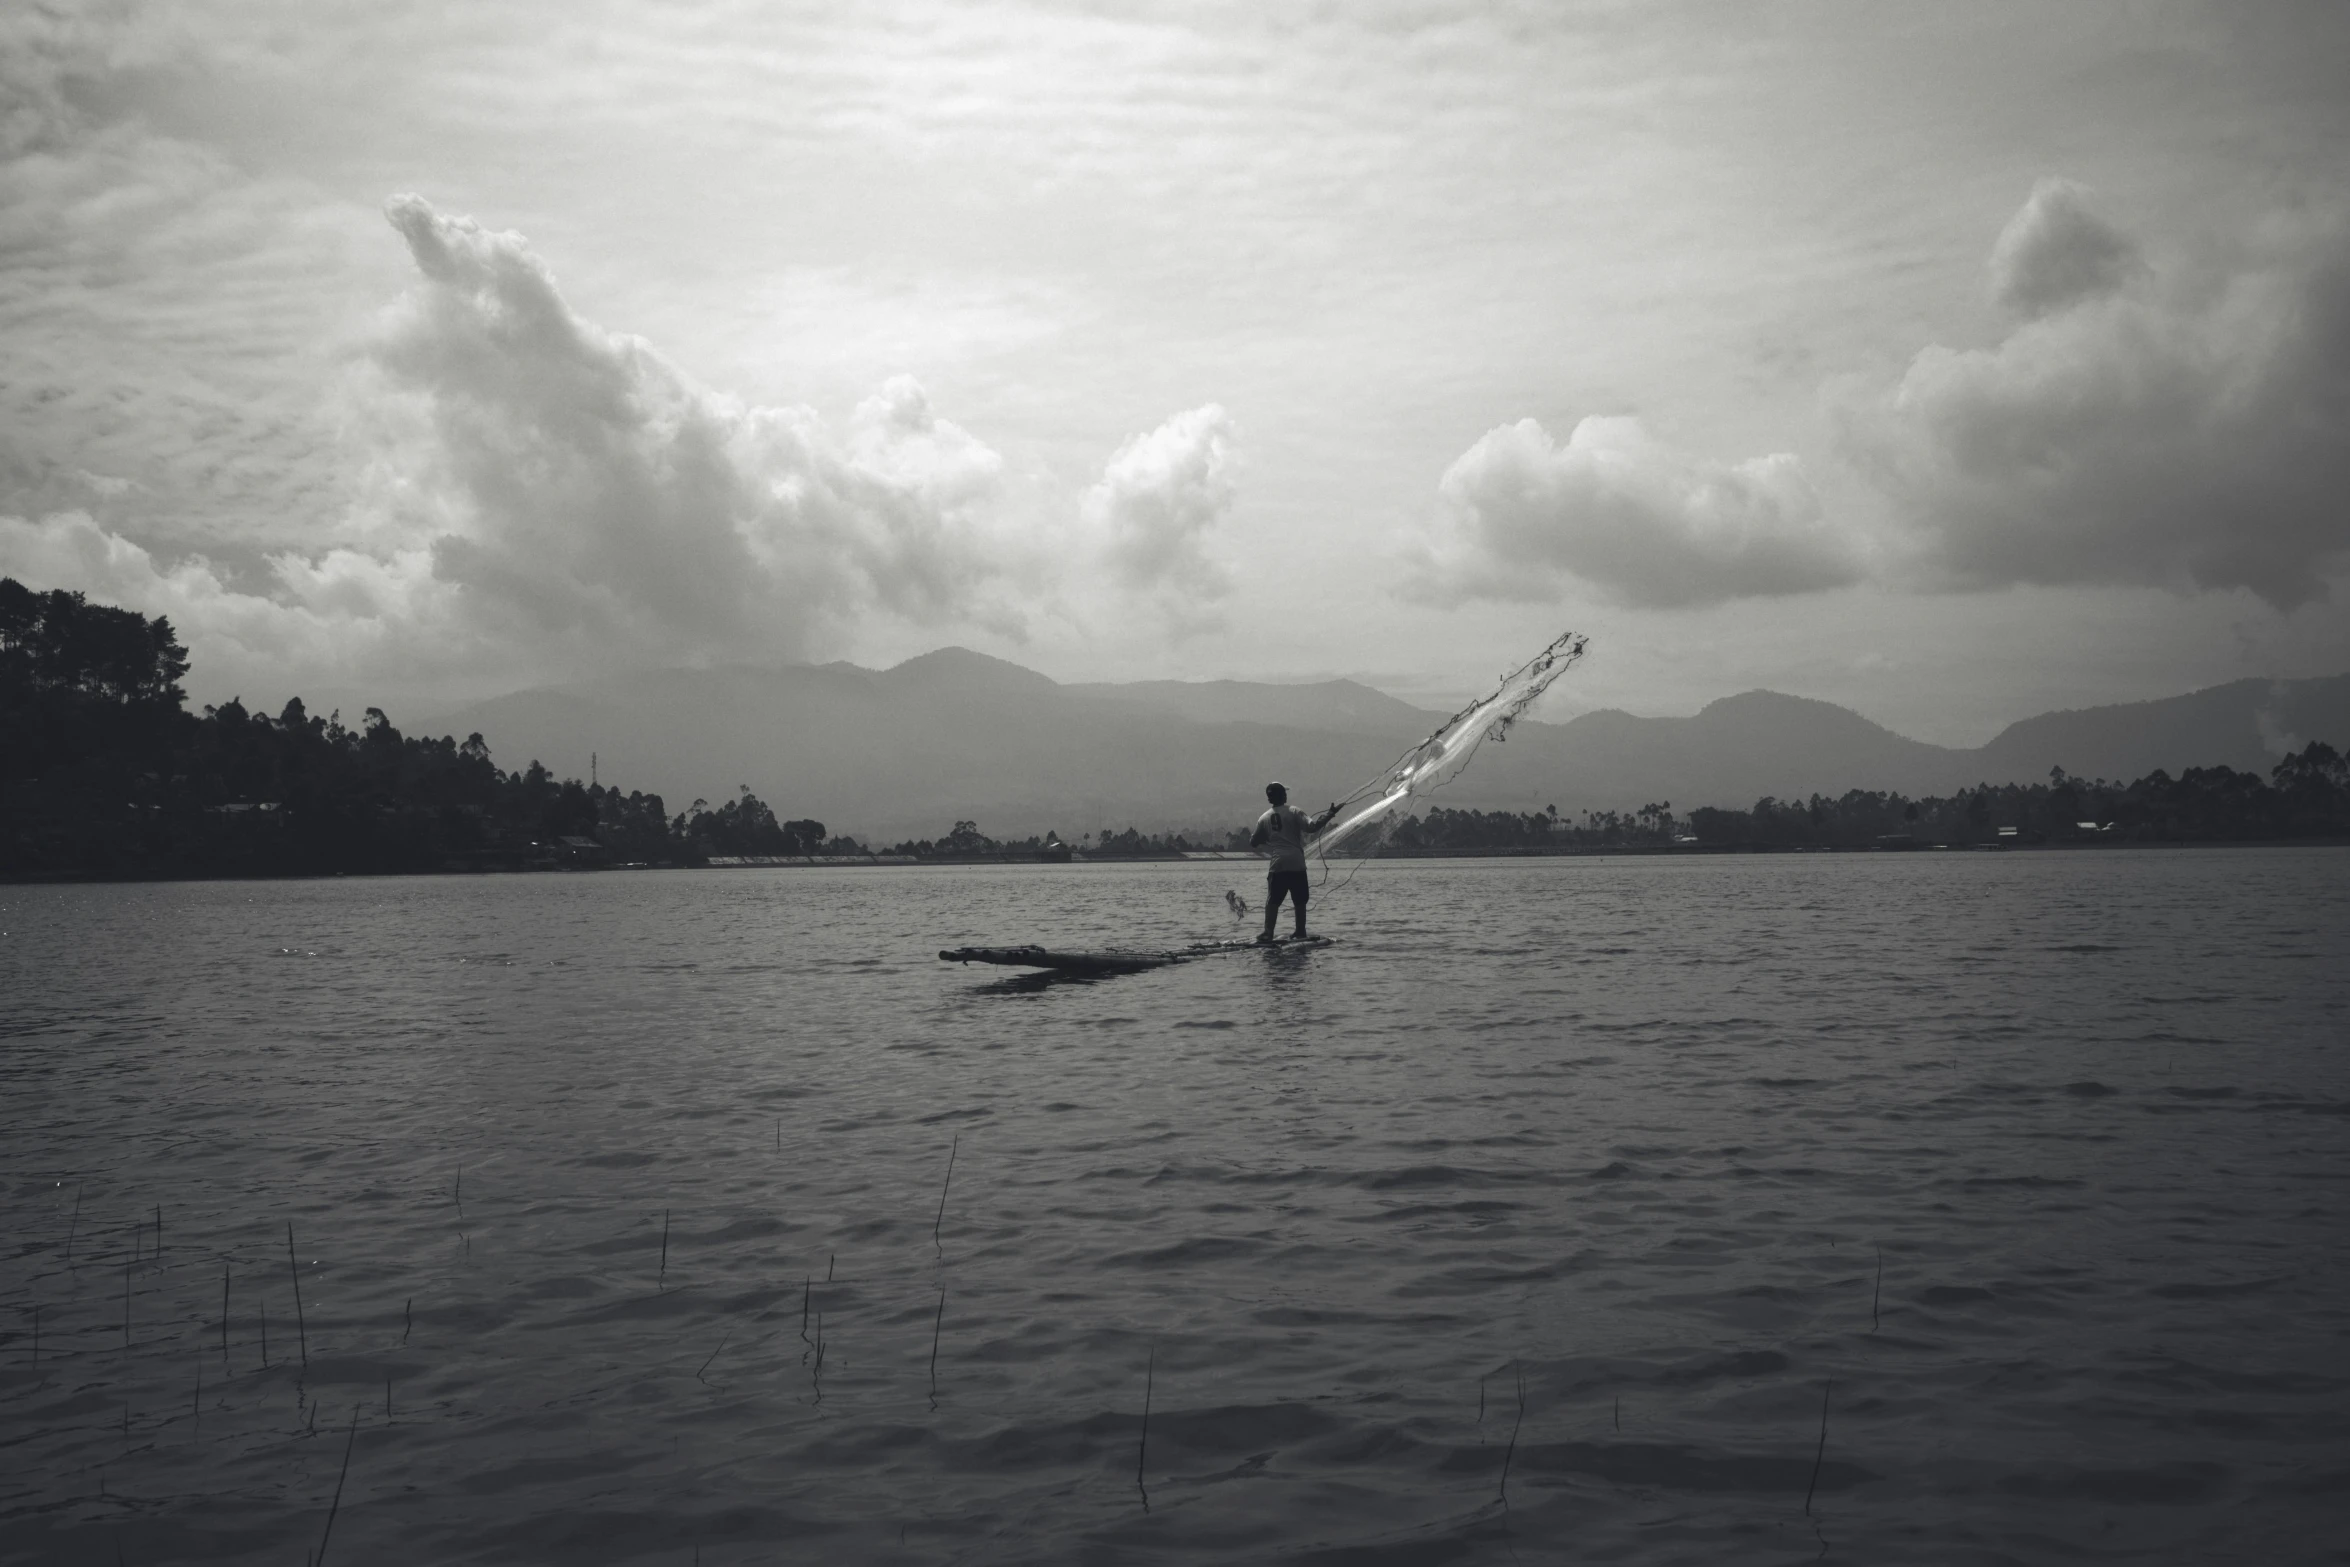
(1281, 837)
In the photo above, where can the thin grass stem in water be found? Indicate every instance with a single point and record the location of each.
(1820, 1456)
(936, 1325)
(1511, 1452)
(945, 1186)
(337, 1504)
(301, 1323)
(1142, 1447)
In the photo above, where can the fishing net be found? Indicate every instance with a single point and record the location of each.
(1367, 816)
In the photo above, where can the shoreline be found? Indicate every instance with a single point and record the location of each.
(906, 861)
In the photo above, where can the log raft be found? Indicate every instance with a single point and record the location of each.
(1113, 960)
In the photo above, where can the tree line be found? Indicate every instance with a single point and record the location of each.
(2305, 796)
(966, 841)
(104, 771)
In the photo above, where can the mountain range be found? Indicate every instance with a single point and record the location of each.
(953, 734)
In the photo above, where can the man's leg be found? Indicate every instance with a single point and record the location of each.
(1297, 898)
(1275, 890)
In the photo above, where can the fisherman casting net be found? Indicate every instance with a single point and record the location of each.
(1368, 815)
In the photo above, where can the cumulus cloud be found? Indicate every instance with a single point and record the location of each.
(1519, 515)
(546, 497)
(600, 495)
(1160, 498)
(2056, 251)
(332, 613)
(2189, 430)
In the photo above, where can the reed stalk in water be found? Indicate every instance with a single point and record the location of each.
(301, 1323)
(663, 1277)
(1820, 1456)
(336, 1505)
(1875, 1295)
(1511, 1452)
(937, 1323)
(126, 1313)
(224, 1315)
(407, 1318)
(940, 1217)
(265, 1335)
(1142, 1447)
(459, 1193)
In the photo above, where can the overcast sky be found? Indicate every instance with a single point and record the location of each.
(1950, 362)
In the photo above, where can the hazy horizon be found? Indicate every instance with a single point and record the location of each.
(1553, 709)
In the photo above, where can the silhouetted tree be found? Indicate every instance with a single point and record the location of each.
(104, 772)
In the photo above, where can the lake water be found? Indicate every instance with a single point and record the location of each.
(1565, 1179)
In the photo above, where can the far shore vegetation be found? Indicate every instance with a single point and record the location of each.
(105, 773)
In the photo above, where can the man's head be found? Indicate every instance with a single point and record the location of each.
(1277, 793)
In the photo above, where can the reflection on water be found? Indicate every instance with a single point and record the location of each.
(2024, 1168)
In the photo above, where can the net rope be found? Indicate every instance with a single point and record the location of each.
(1374, 810)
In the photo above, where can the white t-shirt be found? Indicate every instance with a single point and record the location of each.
(1281, 833)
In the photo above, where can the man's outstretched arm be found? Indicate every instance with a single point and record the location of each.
(1317, 823)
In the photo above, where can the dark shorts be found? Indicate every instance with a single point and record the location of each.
(1291, 884)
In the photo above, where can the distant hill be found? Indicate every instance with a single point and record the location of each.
(2245, 724)
(1735, 750)
(905, 751)
(1341, 706)
(954, 734)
